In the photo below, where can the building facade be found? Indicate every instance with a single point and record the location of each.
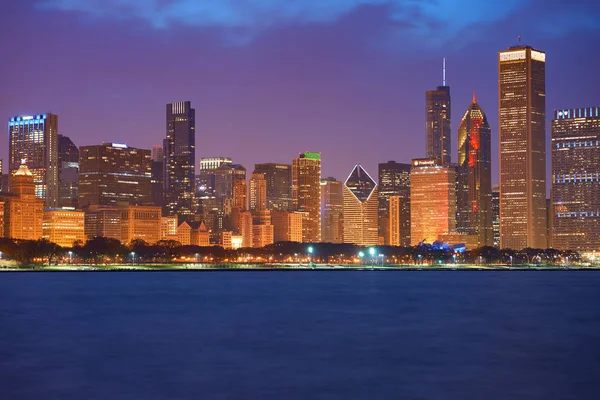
(360, 208)
(496, 214)
(102, 221)
(114, 174)
(258, 192)
(68, 172)
(33, 139)
(279, 185)
(474, 176)
(306, 194)
(24, 211)
(287, 226)
(437, 103)
(179, 157)
(522, 123)
(575, 191)
(140, 222)
(394, 180)
(432, 200)
(64, 226)
(332, 211)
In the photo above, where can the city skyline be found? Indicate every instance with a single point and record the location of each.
(291, 103)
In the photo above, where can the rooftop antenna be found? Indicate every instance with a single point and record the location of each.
(444, 72)
(519, 39)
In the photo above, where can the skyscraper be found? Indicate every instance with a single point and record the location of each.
(157, 175)
(522, 121)
(68, 172)
(306, 194)
(394, 180)
(25, 211)
(438, 122)
(111, 174)
(279, 183)
(432, 200)
(360, 208)
(258, 193)
(332, 211)
(34, 138)
(180, 155)
(576, 179)
(474, 176)
(496, 214)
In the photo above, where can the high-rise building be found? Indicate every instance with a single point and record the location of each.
(24, 212)
(306, 194)
(287, 226)
(394, 221)
(437, 104)
(394, 180)
(158, 153)
(103, 221)
(64, 226)
(360, 208)
(474, 176)
(157, 171)
(209, 163)
(522, 122)
(258, 192)
(576, 179)
(113, 173)
(279, 185)
(332, 211)
(34, 138)
(432, 200)
(205, 183)
(180, 155)
(496, 214)
(2, 188)
(68, 172)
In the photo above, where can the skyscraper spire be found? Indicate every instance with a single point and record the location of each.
(444, 71)
(474, 98)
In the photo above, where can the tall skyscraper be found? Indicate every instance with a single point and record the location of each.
(258, 193)
(438, 122)
(306, 194)
(68, 172)
(34, 138)
(496, 214)
(522, 121)
(394, 180)
(279, 184)
(474, 176)
(25, 211)
(360, 208)
(332, 211)
(180, 155)
(432, 200)
(576, 179)
(113, 173)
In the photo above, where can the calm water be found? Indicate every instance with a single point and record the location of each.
(300, 335)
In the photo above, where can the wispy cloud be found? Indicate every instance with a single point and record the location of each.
(437, 22)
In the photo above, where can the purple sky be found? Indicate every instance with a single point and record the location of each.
(269, 79)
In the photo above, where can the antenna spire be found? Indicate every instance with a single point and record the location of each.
(519, 38)
(444, 71)
(474, 98)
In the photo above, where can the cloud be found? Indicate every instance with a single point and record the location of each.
(433, 22)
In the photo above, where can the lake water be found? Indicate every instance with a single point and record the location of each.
(300, 335)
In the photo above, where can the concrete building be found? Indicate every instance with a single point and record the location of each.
(394, 180)
(258, 192)
(279, 185)
(24, 211)
(140, 222)
(102, 221)
(287, 226)
(64, 226)
(332, 211)
(522, 122)
(360, 208)
(432, 200)
(306, 194)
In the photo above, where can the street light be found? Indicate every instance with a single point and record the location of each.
(381, 255)
(310, 251)
(70, 257)
(132, 257)
(196, 258)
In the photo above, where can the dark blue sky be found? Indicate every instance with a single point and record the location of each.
(271, 78)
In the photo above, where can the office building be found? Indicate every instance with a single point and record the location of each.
(68, 172)
(360, 208)
(104, 221)
(522, 122)
(180, 154)
(279, 185)
(287, 226)
(114, 174)
(394, 180)
(306, 194)
(210, 163)
(140, 222)
(24, 211)
(576, 179)
(64, 226)
(332, 211)
(432, 200)
(158, 153)
(437, 103)
(474, 176)
(262, 235)
(33, 139)
(258, 192)
(496, 214)
(168, 228)
(394, 222)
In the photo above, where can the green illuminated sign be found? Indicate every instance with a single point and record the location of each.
(314, 156)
